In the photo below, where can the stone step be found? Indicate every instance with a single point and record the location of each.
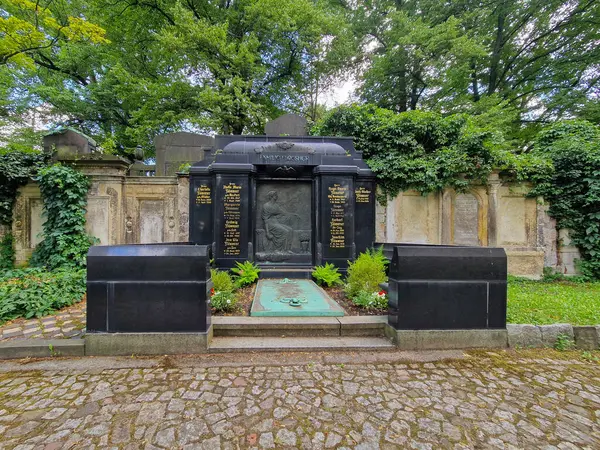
(233, 326)
(295, 344)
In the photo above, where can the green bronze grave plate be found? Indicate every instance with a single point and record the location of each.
(290, 298)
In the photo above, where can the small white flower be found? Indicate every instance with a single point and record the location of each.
(228, 301)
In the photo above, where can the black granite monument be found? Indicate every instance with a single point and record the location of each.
(148, 288)
(437, 287)
(287, 203)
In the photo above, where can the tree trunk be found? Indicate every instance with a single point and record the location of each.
(475, 82)
(497, 49)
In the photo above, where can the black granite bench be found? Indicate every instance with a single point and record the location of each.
(147, 288)
(446, 287)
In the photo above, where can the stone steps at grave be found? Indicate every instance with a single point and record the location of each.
(304, 344)
(346, 326)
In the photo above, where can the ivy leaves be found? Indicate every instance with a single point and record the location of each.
(573, 186)
(65, 244)
(418, 150)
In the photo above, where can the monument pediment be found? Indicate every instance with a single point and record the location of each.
(267, 146)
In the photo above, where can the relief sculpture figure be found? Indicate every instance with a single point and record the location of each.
(277, 222)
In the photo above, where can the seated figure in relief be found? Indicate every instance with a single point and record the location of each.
(277, 222)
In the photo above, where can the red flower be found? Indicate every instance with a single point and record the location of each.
(212, 291)
(382, 292)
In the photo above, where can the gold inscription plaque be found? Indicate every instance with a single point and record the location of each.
(363, 195)
(337, 199)
(232, 214)
(203, 195)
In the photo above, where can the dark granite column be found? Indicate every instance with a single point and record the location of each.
(364, 210)
(202, 201)
(234, 191)
(336, 215)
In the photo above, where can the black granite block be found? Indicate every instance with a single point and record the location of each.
(445, 287)
(148, 288)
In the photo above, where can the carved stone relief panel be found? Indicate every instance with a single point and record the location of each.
(283, 222)
(152, 221)
(36, 222)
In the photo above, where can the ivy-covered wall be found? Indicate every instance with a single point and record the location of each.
(120, 208)
(124, 209)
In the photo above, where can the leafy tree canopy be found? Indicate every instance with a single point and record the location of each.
(539, 57)
(135, 69)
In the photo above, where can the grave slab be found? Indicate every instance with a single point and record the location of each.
(289, 298)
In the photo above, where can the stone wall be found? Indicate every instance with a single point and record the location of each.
(129, 209)
(121, 209)
(499, 214)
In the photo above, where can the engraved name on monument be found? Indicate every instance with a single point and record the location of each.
(337, 197)
(232, 215)
(466, 220)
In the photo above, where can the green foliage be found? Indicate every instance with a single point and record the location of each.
(184, 168)
(366, 272)
(563, 342)
(245, 273)
(542, 303)
(18, 163)
(449, 56)
(64, 193)
(589, 356)
(223, 301)
(7, 252)
(137, 69)
(371, 300)
(327, 275)
(222, 281)
(35, 292)
(572, 187)
(420, 150)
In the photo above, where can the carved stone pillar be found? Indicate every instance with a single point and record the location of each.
(494, 183)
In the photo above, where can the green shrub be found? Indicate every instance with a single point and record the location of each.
(7, 253)
(223, 301)
(374, 300)
(35, 292)
(327, 275)
(222, 281)
(366, 273)
(245, 273)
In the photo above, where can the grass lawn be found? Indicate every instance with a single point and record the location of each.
(540, 303)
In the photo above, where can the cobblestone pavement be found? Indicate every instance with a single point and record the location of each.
(67, 323)
(487, 400)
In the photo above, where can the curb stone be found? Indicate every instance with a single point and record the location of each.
(527, 336)
(587, 337)
(550, 333)
(540, 336)
(41, 348)
(519, 335)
